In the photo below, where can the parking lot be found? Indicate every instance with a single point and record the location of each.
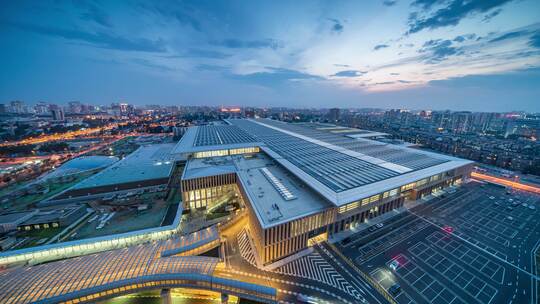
(471, 246)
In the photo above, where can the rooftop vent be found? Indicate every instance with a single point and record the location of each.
(278, 185)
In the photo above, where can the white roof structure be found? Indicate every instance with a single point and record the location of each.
(214, 137)
(277, 199)
(339, 167)
(146, 163)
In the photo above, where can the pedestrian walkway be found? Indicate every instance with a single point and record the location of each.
(315, 267)
(245, 248)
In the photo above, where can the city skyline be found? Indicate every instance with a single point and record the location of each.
(436, 55)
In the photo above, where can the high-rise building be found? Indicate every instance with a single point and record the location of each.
(41, 108)
(441, 119)
(18, 107)
(122, 109)
(74, 107)
(334, 114)
(461, 122)
(57, 113)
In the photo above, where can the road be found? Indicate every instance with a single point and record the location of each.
(505, 182)
(336, 282)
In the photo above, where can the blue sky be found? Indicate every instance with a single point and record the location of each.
(479, 55)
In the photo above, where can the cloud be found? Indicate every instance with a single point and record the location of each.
(200, 53)
(510, 35)
(491, 15)
(462, 38)
(210, 67)
(181, 12)
(337, 26)
(438, 50)
(426, 4)
(409, 45)
(249, 44)
(349, 73)
(535, 40)
(342, 65)
(380, 46)
(149, 64)
(389, 2)
(394, 74)
(99, 39)
(275, 76)
(93, 13)
(449, 15)
(525, 79)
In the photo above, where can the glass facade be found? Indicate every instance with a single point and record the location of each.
(201, 192)
(225, 152)
(202, 198)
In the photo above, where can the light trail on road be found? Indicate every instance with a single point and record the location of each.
(58, 137)
(505, 182)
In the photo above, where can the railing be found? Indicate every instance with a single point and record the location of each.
(246, 290)
(366, 277)
(239, 214)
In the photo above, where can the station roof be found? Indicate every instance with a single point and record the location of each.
(202, 167)
(214, 137)
(146, 163)
(350, 132)
(339, 167)
(267, 196)
(276, 195)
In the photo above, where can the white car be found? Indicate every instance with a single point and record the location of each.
(379, 225)
(306, 299)
(394, 265)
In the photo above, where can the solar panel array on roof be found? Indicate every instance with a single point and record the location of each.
(221, 135)
(386, 152)
(334, 169)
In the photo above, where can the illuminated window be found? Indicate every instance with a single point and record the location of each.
(213, 153)
(244, 150)
(422, 182)
(408, 187)
(365, 201)
(349, 207)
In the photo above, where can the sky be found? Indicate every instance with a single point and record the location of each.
(478, 55)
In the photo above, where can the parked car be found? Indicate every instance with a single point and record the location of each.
(394, 265)
(394, 289)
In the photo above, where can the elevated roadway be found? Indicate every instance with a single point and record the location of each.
(108, 274)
